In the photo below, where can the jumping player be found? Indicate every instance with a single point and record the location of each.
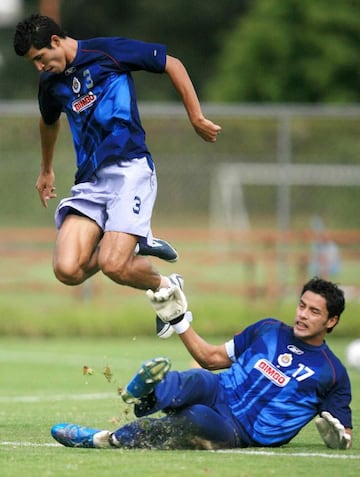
(274, 380)
(106, 223)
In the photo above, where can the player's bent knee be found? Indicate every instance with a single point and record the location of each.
(68, 275)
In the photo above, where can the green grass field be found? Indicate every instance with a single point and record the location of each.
(42, 383)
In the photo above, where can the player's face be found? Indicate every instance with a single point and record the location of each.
(49, 59)
(312, 319)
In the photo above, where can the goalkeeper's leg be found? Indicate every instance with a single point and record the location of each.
(195, 427)
(179, 389)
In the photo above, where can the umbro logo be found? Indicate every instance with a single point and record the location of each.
(70, 70)
(294, 349)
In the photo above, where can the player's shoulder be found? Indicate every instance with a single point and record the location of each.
(113, 47)
(332, 358)
(267, 326)
(96, 43)
(271, 323)
(104, 43)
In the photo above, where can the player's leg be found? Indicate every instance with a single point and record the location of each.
(169, 432)
(145, 379)
(206, 428)
(186, 388)
(194, 427)
(78, 255)
(117, 261)
(127, 220)
(74, 435)
(198, 415)
(155, 388)
(76, 249)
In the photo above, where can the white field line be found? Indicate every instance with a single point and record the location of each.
(92, 396)
(289, 454)
(29, 444)
(227, 451)
(57, 397)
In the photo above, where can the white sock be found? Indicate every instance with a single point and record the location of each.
(101, 440)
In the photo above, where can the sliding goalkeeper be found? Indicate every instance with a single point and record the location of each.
(274, 379)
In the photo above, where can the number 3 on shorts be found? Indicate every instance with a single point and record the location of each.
(137, 204)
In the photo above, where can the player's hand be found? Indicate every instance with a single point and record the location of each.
(332, 431)
(206, 129)
(45, 187)
(169, 303)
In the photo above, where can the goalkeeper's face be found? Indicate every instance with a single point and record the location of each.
(312, 320)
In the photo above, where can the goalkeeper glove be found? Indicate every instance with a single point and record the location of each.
(170, 306)
(332, 431)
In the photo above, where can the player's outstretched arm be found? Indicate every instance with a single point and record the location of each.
(183, 84)
(170, 304)
(209, 356)
(333, 433)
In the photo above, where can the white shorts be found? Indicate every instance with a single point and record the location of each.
(119, 198)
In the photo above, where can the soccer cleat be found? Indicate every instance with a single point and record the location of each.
(73, 435)
(143, 383)
(159, 248)
(165, 330)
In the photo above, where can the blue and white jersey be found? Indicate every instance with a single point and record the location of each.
(97, 94)
(278, 383)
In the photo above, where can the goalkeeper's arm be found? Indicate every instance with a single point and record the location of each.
(209, 356)
(333, 433)
(170, 305)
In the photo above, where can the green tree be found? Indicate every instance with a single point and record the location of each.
(191, 30)
(291, 51)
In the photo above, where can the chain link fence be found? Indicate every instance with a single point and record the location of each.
(276, 196)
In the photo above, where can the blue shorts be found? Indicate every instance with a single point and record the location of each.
(119, 197)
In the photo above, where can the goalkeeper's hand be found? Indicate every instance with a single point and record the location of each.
(332, 431)
(169, 303)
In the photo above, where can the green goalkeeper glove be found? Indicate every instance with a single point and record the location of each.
(332, 431)
(169, 303)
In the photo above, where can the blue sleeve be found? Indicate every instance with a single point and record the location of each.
(338, 399)
(130, 55)
(50, 108)
(244, 339)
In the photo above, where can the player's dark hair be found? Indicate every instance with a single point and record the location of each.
(35, 30)
(334, 296)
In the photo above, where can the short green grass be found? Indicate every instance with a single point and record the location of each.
(42, 383)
